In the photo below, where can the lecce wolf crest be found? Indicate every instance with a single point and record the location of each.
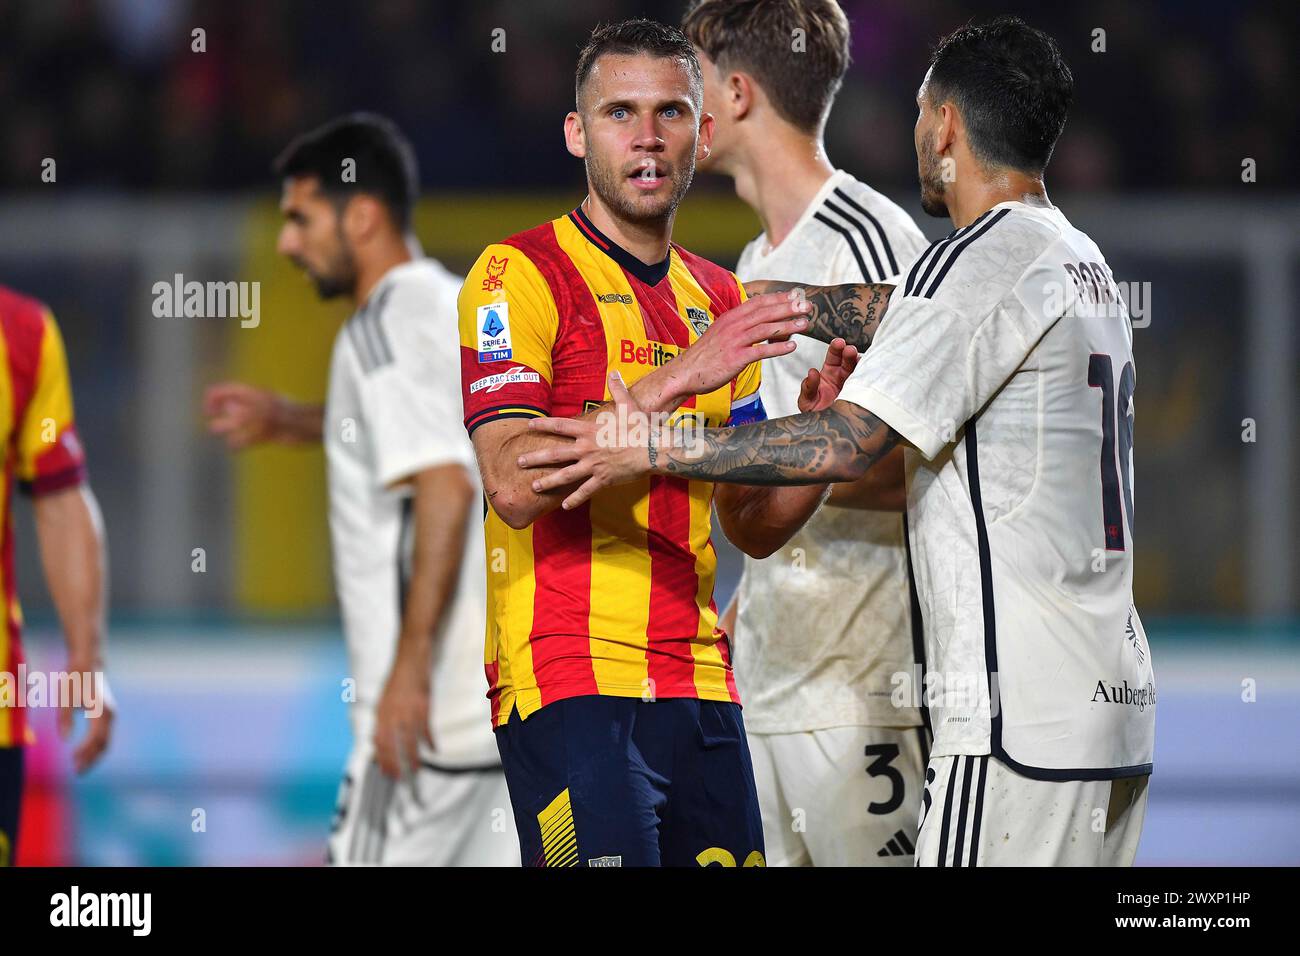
(495, 268)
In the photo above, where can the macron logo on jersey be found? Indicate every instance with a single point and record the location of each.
(494, 383)
(494, 332)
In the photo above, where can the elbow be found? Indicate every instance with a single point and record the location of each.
(757, 543)
(516, 513)
(761, 549)
(894, 500)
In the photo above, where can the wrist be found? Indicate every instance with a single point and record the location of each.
(85, 663)
(664, 392)
(658, 441)
(412, 651)
(282, 414)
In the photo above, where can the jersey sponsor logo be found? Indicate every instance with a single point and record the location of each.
(609, 298)
(1139, 697)
(495, 270)
(605, 861)
(698, 318)
(515, 376)
(653, 353)
(494, 332)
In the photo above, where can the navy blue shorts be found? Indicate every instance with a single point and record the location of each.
(11, 798)
(617, 781)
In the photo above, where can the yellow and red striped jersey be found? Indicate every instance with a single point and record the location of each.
(41, 453)
(615, 597)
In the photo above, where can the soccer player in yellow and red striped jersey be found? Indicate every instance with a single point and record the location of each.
(44, 456)
(612, 693)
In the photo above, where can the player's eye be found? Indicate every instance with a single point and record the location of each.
(672, 112)
(618, 112)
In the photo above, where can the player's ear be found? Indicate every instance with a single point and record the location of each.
(363, 216)
(740, 95)
(575, 136)
(946, 134)
(705, 142)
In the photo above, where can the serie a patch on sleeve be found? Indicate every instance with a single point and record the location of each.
(494, 332)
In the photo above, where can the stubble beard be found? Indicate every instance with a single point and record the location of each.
(340, 275)
(930, 173)
(608, 184)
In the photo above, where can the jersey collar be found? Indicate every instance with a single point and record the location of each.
(649, 274)
(834, 181)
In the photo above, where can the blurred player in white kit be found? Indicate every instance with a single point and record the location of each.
(822, 625)
(423, 784)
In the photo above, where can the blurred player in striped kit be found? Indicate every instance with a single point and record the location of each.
(424, 783)
(821, 626)
(44, 455)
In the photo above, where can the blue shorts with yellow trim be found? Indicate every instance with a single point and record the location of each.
(618, 781)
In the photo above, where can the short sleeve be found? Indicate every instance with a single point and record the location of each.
(49, 453)
(508, 327)
(941, 354)
(412, 405)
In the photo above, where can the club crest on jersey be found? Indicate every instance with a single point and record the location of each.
(698, 318)
(494, 332)
(495, 269)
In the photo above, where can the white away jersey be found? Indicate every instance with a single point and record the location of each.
(394, 409)
(1006, 359)
(824, 623)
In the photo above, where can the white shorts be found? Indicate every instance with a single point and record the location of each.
(846, 796)
(434, 817)
(978, 812)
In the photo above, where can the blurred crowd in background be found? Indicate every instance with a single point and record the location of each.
(93, 79)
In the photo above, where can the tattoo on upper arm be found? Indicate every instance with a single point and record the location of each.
(836, 444)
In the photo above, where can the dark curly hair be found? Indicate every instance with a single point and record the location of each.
(1011, 86)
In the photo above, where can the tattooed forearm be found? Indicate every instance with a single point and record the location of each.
(848, 312)
(836, 444)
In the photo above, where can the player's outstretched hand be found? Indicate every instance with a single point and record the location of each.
(820, 389)
(402, 719)
(97, 704)
(756, 329)
(242, 414)
(613, 448)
